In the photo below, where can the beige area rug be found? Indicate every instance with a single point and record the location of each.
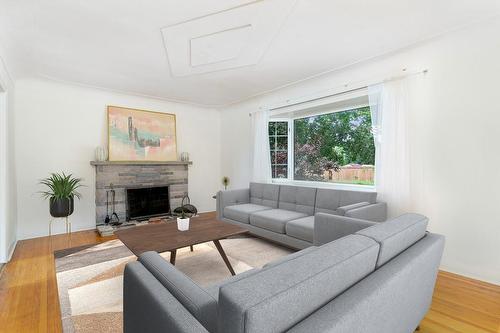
(90, 279)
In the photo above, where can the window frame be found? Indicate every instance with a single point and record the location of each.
(291, 150)
(289, 141)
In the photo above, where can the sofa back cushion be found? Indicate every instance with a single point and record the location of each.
(396, 235)
(329, 200)
(352, 197)
(276, 298)
(297, 198)
(264, 194)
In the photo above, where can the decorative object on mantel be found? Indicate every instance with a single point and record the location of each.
(225, 182)
(61, 191)
(101, 154)
(184, 157)
(139, 135)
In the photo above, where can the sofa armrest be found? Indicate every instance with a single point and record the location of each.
(374, 212)
(329, 227)
(149, 307)
(231, 197)
(342, 210)
(193, 297)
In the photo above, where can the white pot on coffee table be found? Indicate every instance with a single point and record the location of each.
(183, 224)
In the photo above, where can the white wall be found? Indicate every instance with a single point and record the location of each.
(58, 126)
(3, 174)
(455, 139)
(7, 170)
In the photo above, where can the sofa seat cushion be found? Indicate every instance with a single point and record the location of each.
(301, 228)
(241, 212)
(274, 219)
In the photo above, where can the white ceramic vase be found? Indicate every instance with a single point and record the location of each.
(183, 224)
(101, 154)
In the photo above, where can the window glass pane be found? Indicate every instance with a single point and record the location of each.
(282, 142)
(281, 157)
(336, 147)
(272, 128)
(272, 143)
(278, 144)
(281, 171)
(281, 128)
(273, 157)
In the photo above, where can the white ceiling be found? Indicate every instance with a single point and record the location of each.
(214, 52)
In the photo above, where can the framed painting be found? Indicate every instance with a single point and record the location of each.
(139, 135)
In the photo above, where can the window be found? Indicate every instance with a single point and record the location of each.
(278, 141)
(335, 147)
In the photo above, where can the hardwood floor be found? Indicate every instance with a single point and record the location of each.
(28, 289)
(29, 301)
(462, 304)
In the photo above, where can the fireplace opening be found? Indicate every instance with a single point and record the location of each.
(147, 202)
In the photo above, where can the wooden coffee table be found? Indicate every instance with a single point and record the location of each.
(163, 237)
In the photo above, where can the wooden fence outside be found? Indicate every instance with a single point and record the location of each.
(352, 173)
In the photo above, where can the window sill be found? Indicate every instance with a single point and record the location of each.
(337, 186)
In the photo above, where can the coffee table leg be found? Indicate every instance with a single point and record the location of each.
(224, 257)
(172, 256)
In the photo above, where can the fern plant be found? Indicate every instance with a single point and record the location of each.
(61, 186)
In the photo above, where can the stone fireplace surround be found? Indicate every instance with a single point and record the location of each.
(122, 175)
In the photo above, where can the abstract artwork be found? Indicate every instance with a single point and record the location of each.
(138, 135)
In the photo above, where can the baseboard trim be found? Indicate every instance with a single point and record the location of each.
(11, 250)
(470, 279)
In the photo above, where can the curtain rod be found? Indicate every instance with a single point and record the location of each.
(319, 98)
(364, 86)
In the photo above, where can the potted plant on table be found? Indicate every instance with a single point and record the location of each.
(183, 221)
(61, 191)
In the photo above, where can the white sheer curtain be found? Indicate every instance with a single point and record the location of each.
(389, 107)
(261, 158)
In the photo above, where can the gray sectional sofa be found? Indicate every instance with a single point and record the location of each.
(285, 213)
(379, 279)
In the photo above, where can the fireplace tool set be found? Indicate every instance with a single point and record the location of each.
(112, 219)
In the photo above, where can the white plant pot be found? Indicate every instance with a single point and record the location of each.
(183, 224)
(101, 154)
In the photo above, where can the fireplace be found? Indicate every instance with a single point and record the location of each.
(121, 176)
(146, 202)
